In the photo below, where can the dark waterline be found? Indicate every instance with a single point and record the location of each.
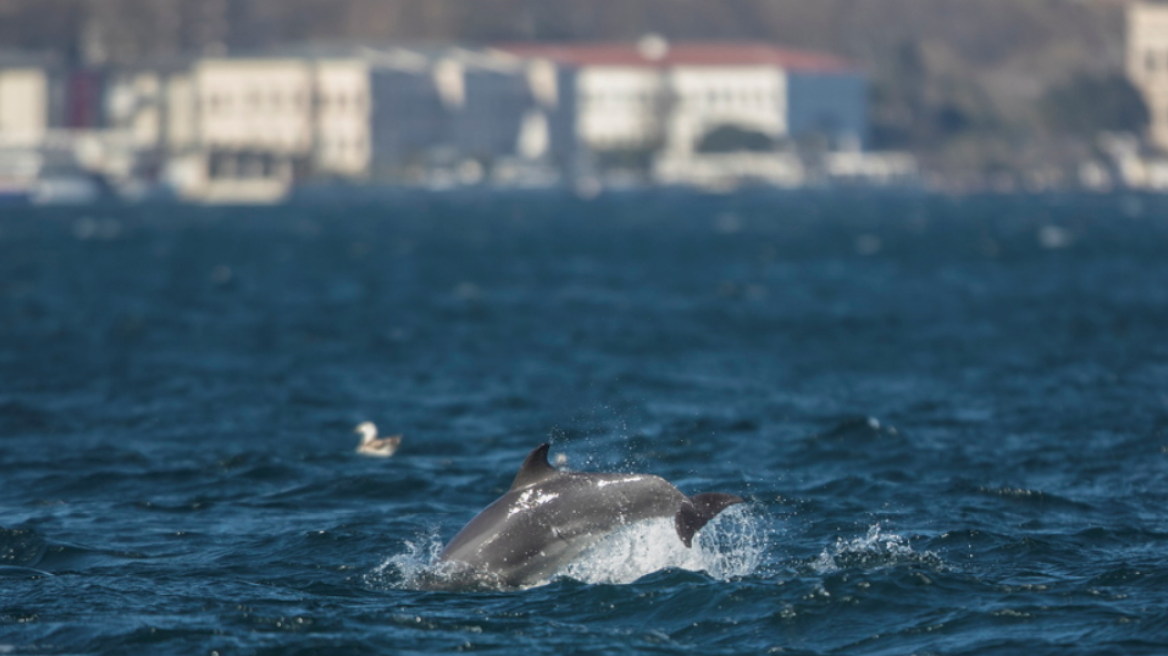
(948, 415)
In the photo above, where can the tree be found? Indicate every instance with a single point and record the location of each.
(1088, 105)
(733, 138)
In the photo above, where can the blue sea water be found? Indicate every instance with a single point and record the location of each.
(949, 418)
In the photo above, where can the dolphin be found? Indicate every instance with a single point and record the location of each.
(549, 517)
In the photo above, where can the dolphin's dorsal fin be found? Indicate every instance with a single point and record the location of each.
(535, 469)
(698, 510)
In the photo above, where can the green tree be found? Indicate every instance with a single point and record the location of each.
(1088, 105)
(734, 138)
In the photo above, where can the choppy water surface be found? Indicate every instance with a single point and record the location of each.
(949, 417)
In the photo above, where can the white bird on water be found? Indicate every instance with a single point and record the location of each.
(371, 445)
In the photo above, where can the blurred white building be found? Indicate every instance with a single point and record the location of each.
(249, 128)
(246, 128)
(24, 115)
(668, 98)
(1147, 63)
(24, 99)
(49, 142)
(469, 113)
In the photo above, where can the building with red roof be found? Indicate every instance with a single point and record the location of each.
(669, 97)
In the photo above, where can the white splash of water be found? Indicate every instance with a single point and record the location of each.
(409, 568)
(732, 545)
(875, 550)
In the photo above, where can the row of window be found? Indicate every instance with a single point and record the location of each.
(275, 100)
(621, 97)
(335, 146)
(252, 166)
(736, 97)
(749, 97)
(342, 146)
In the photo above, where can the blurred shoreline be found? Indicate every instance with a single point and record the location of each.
(254, 101)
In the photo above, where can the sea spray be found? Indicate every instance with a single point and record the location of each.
(875, 550)
(732, 545)
(409, 568)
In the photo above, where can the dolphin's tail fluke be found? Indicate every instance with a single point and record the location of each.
(698, 510)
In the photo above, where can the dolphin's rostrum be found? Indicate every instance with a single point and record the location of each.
(549, 517)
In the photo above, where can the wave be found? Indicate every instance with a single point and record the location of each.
(875, 550)
(21, 547)
(19, 418)
(15, 572)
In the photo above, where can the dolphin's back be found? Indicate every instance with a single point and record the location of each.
(527, 534)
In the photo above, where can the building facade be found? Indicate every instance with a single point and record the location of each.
(1147, 63)
(668, 97)
(443, 107)
(24, 104)
(248, 128)
(51, 136)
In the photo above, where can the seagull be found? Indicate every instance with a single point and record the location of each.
(371, 445)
